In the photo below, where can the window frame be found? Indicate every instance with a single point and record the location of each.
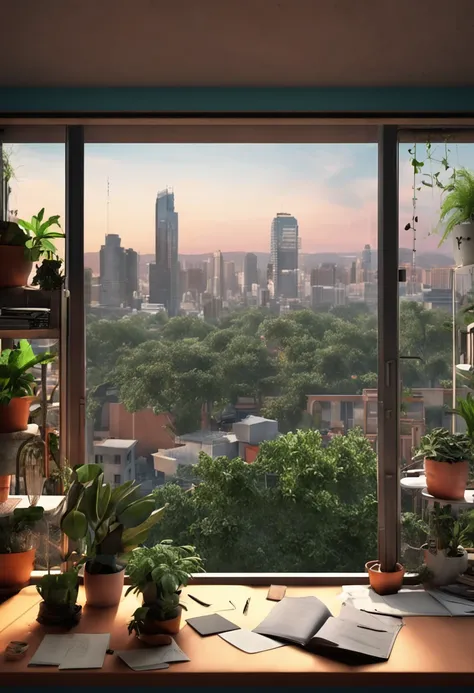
(389, 132)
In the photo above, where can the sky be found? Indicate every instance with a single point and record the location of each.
(226, 195)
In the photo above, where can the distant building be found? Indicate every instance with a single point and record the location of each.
(164, 276)
(196, 280)
(131, 276)
(117, 458)
(230, 278)
(366, 264)
(87, 287)
(284, 255)
(250, 271)
(212, 307)
(438, 277)
(218, 277)
(438, 298)
(324, 275)
(327, 296)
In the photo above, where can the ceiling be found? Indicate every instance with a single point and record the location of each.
(237, 43)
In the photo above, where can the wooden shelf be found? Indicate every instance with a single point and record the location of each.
(47, 333)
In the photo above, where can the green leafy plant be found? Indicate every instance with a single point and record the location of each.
(443, 446)
(458, 205)
(39, 236)
(450, 532)
(16, 380)
(60, 588)
(16, 530)
(465, 409)
(158, 573)
(48, 275)
(108, 523)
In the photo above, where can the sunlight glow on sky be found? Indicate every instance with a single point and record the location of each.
(226, 195)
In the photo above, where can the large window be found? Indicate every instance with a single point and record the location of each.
(231, 334)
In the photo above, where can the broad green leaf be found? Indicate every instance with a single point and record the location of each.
(25, 224)
(103, 501)
(74, 525)
(132, 495)
(88, 472)
(136, 513)
(133, 537)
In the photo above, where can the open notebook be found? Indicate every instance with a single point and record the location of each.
(353, 636)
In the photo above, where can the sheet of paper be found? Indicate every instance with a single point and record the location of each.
(152, 657)
(52, 650)
(86, 651)
(376, 622)
(295, 619)
(455, 605)
(349, 636)
(407, 602)
(250, 642)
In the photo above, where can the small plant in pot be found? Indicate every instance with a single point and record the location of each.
(457, 210)
(59, 593)
(107, 524)
(159, 573)
(17, 555)
(385, 581)
(444, 555)
(446, 458)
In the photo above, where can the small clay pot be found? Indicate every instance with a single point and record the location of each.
(14, 415)
(103, 590)
(65, 615)
(385, 583)
(15, 568)
(15, 268)
(153, 626)
(446, 480)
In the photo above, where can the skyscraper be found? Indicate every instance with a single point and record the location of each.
(164, 277)
(250, 271)
(218, 279)
(230, 277)
(131, 275)
(112, 275)
(284, 255)
(366, 264)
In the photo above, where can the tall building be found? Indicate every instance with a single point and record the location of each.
(131, 275)
(367, 262)
(196, 280)
(250, 271)
(324, 275)
(87, 287)
(112, 272)
(284, 255)
(438, 277)
(218, 278)
(230, 277)
(164, 279)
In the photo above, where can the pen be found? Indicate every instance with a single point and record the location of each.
(246, 607)
(199, 601)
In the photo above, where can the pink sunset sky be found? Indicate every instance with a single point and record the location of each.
(226, 195)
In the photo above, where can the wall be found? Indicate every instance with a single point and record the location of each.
(149, 429)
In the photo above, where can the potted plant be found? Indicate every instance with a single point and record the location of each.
(444, 555)
(24, 242)
(108, 524)
(457, 210)
(17, 554)
(446, 457)
(385, 581)
(59, 593)
(17, 385)
(158, 573)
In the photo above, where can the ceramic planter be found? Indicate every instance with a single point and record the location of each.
(14, 416)
(153, 626)
(385, 583)
(14, 266)
(463, 244)
(65, 615)
(15, 568)
(4, 487)
(103, 590)
(445, 569)
(446, 480)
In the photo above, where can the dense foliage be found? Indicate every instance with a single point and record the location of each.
(298, 507)
(186, 366)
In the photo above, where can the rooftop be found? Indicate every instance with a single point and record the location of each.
(206, 437)
(122, 443)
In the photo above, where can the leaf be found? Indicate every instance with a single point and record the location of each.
(407, 227)
(25, 224)
(88, 472)
(74, 525)
(136, 513)
(104, 493)
(40, 215)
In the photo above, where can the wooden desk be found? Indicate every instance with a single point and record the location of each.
(428, 650)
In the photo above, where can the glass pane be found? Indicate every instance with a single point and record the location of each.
(232, 345)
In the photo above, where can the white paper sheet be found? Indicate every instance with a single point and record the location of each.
(52, 650)
(250, 642)
(152, 657)
(407, 602)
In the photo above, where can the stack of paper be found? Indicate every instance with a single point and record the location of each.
(72, 651)
(408, 602)
(153, 657)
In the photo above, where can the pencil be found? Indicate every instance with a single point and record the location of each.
(246, 607)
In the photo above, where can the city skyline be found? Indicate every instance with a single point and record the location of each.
(228, 194)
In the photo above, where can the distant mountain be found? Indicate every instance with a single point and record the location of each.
(307, 260)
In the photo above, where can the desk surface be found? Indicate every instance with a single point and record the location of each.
(428, 650)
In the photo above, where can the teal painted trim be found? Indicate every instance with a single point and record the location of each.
(39, 100)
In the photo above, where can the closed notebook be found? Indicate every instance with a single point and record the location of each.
(353, 636)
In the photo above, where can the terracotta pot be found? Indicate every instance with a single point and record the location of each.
(446, 480)
(14, 416)
(152, 626)
(103, 590)
(66, 615)
(14, 266)
(384, 583)
(4, 487)
(15, 568)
